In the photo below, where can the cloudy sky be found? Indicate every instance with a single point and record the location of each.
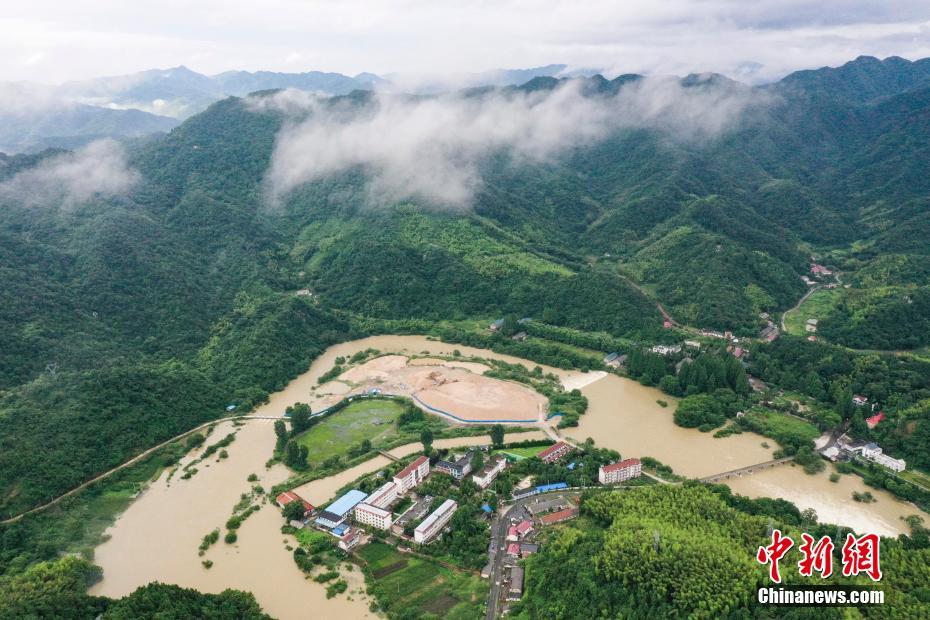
(53, 41)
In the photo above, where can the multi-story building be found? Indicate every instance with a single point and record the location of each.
(383, 496)
(458, 468)
(618, 472)
(434, 523)
(486, 475)
(373, 516)
(412, 475)
(554, 452)
(874, 453)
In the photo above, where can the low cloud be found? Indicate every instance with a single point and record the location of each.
(432, 148)
(98, 170)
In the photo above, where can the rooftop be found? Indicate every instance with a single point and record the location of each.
(552, 449)
(621, 465)
(409, 468)
(561, 515)
(346, 503)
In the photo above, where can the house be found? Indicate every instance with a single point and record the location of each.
(667, 324)
(373, 516)
(457, 468)
(411, 475)
(520, 336)
(336, 513)
(554, 452)
(486, 475)
(487, 570)
(350, 539)
(557, 517)
(615, 360)
(518, 532)
(820, 270)
(810, 325)
(528, 549)
(874, 453)
(808, 281)
(692, 344)
(513, 549)
(812, 338)
(664, 349)
(619, 472)
(384, 496)
(515, 591)
(873, 421)
(860, 400)
(739, 352)
(287, 497)
(433, 524)
(770, 332)
(496, 325)
(711, 334)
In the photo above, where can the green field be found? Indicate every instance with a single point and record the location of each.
(402, 582)
(817, 306)
(374, 420)
(520, 453)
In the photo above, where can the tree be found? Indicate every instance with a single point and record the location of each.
(280, 431)
(300, 417)
(497, 435)
(426, 438)
(294, 511)
(477, 460)
(295, 455)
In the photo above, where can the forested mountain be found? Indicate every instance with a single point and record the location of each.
(145, 308)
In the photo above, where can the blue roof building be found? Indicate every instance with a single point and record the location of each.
(336, 513)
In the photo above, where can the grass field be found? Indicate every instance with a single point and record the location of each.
(521, 453)
(401, 582)
(374, 420)
(817, 306)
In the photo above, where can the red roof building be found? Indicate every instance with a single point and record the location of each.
(288, 497)
(873, 421)
(554, 452)
(619, 472)
(412, 475)
(513, 549)
(559, 516)
(517, 532)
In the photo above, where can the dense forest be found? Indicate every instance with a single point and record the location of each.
(689, 551)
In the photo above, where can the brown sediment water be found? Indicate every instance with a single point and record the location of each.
(156, 539)
(158, 535)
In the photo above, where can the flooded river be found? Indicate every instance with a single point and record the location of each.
(158, 535)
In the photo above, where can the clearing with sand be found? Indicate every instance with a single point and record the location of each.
(454, 388)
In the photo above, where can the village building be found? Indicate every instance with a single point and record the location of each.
(665, 349)
(860, 400)
(373, 516)
(554, 452)
(615, 360)
(520, 336)
(770, 332)
(383, 496)
(873, 421)
(874, 453)
(516, 533)
(349, 538)
(692, 344)
(411, 475)
(287, 497)
(433, 524)
(557, 517)
(486, 475)
(619, 472)
(515, 590)
(458, 468)
(336, 513)
(496, 325)
(528, 549)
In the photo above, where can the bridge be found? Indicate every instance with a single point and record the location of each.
(749, 469)
(388, 455)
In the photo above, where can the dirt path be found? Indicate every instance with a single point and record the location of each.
(130, 462)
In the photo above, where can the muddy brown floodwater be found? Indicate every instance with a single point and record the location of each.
(158, 535)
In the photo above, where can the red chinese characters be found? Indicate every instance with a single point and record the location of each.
(861, 555)
(816, 557)
(773, 553)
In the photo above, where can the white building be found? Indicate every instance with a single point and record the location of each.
(874, 453)
(434, 523)
(412, 475)
(373, 516)
(663, 349)
(488, 473)
(384, 496)
(619, 472)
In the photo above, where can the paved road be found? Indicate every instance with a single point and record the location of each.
(499, 539)
(133, 461)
